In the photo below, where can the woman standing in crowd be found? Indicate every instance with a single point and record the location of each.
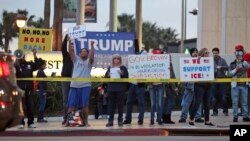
(156, 91)
(201, 94)
(116, 90)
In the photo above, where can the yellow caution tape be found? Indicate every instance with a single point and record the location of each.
(218, 80)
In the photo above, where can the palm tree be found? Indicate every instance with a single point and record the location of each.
(46, 14)
(57, 25)
(1, 35)
(152, 35)
(126, 23)
(8, 28)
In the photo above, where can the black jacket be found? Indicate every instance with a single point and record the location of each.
(25, 69)
(67, 63)
(42, 85)
(118, 86)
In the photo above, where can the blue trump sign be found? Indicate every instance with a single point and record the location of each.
(106, 44)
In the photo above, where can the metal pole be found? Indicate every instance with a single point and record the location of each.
(183, 24)
(138, 23)
(185, 20)
(113, 16)
(80, 12)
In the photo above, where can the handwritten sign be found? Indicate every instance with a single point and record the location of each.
(194, 69)
(149, 66)
(77, 31)
(35, 38)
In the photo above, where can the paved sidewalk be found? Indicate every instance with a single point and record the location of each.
(98, 128)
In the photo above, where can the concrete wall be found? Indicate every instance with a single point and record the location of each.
(223, 23)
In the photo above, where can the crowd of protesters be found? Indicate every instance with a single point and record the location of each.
(197, 97)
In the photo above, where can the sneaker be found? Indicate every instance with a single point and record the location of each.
(140, 122)
(191, 123)
(152, 122)
(235, 120)
(41, 120)
(64, 122)
(200, 120)
(126, 122)
(109, 124)
(160, 122)
(120, 124)
(214, 114)
(32, 125)
(246, 119)
(20, 126)
(182, 120)
(209, 123)
(169, 122)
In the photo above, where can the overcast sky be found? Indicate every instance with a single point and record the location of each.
(165, 13)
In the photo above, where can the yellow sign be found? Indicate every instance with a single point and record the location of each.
(35, 38)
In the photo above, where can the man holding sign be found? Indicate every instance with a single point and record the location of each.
(80, 91)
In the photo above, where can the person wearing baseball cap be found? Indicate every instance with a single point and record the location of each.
(239, 91)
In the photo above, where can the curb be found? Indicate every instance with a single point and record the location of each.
(122, 132)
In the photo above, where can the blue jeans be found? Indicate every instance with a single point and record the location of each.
(239, 93)
(249, 101)
(218, 93)
(186, 104)
(42, 100)
(156, 97)
(133, 93)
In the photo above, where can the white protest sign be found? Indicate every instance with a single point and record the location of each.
(114, 73)
(77, 31)
(194, 69)
(149, 66)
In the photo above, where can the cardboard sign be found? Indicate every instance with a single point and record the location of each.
(35, 38)
(194, 69)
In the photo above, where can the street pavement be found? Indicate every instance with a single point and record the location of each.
(97, 127)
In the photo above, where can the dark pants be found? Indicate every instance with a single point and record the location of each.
(169, 103)
(29, 106)
(135, 92)
(115, 99)
(65, 92)
(201, 94)
(218, 95)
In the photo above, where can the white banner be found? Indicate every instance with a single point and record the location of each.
(149, 66)
(194, 69)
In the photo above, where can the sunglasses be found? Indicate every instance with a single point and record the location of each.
(206, 52)
(239, 53)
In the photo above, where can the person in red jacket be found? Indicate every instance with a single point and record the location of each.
(247, 58)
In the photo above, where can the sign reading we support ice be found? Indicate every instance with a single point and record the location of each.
(194, 69)
(35, 38)
(149, 66)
